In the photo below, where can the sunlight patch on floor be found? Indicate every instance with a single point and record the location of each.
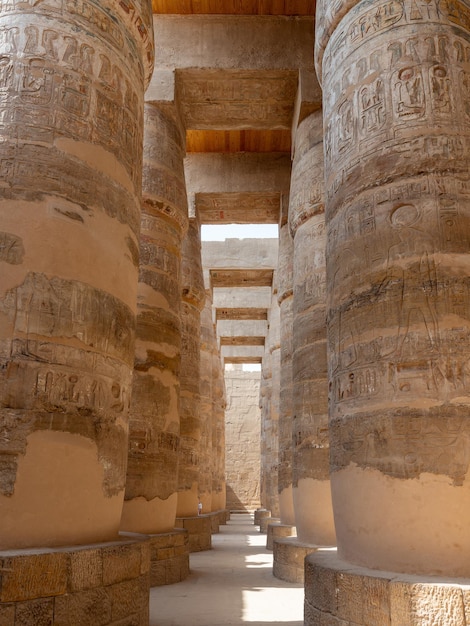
(256, 540)
(259, 560)
(269, 610)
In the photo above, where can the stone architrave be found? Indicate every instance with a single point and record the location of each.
(152, 473)
(193, 299)
(311, 471)
(72, 83)
(396, 85)
(206, 407)
(285, 300)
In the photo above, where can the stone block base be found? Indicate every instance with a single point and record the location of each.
(199, 531)
(276, 530)
(261, 514)
(264, 523)
(214, 522)
(288, 558)
(169, 557)
(339, 594)
(105, 583)
(224, 517)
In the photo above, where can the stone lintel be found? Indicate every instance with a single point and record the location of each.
(242, 351)
(226, 42)
(161, 87)
(239, 360)
(238, 207)
(241, 278)
(335, 591)
(248, 313)
(242, 328)
(242, 297)
(229, 99)
(241, 254)
(308, 100)
(242, 341)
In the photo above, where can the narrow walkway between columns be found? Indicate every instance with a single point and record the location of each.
(231, 584)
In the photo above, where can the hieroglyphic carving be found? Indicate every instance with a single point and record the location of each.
(11, 248)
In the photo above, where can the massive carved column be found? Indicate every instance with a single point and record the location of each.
(219, 495)
(311, 475)
(285, 299)
(193, 298)
(152, 474)
(274, 342)
(396, 81)
(72, 81)
(206, 407)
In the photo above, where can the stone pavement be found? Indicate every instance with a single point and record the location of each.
(231, 584)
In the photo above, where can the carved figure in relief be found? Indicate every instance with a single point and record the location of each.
(6, 73)
(345, 125)
(440, 89)
(37, 82)
(419, 277)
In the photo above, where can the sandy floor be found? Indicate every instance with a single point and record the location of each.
(231, 584)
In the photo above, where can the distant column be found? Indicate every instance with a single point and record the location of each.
(219, 495)
(285, 299)
(274, 339)
(152, 473)
(72, 83)
(311, 466)
(206, 407)
(193, 299)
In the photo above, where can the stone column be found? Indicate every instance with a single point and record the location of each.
(193, 299)
(152, 473)
(206, 407)
(311, 471)
(274, 342)
(396, 82)
(285, 299)
(72, 82)
(266, 434)
(219, 495)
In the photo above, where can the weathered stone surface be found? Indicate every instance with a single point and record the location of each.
(288, 558)
(396, 173)
(71, 149)
(242, 424)
(206, 406)
(193, 299)
(278, 529)
(151, 487)
(310, 471)
(199, 531)
(285, 299)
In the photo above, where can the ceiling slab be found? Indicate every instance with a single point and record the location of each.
(247, 140)
(238, 208)
(238, 360)
(237, 99)
(235, 7)
(241, 278)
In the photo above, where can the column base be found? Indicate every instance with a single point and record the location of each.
(224, 517)
(214, 522)
(261, 514)
(199, 531)
(169, 557)
(288, 558)
(105, 583)
(339, 593)
(277, 530)
(264, 523)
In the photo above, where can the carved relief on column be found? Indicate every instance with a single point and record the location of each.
(311, 472)
(152, 483)
(397, 133)
(72, 79)
(274, 346)
(206, 409)
(285, 299)
(193, 300)
(219, 496)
